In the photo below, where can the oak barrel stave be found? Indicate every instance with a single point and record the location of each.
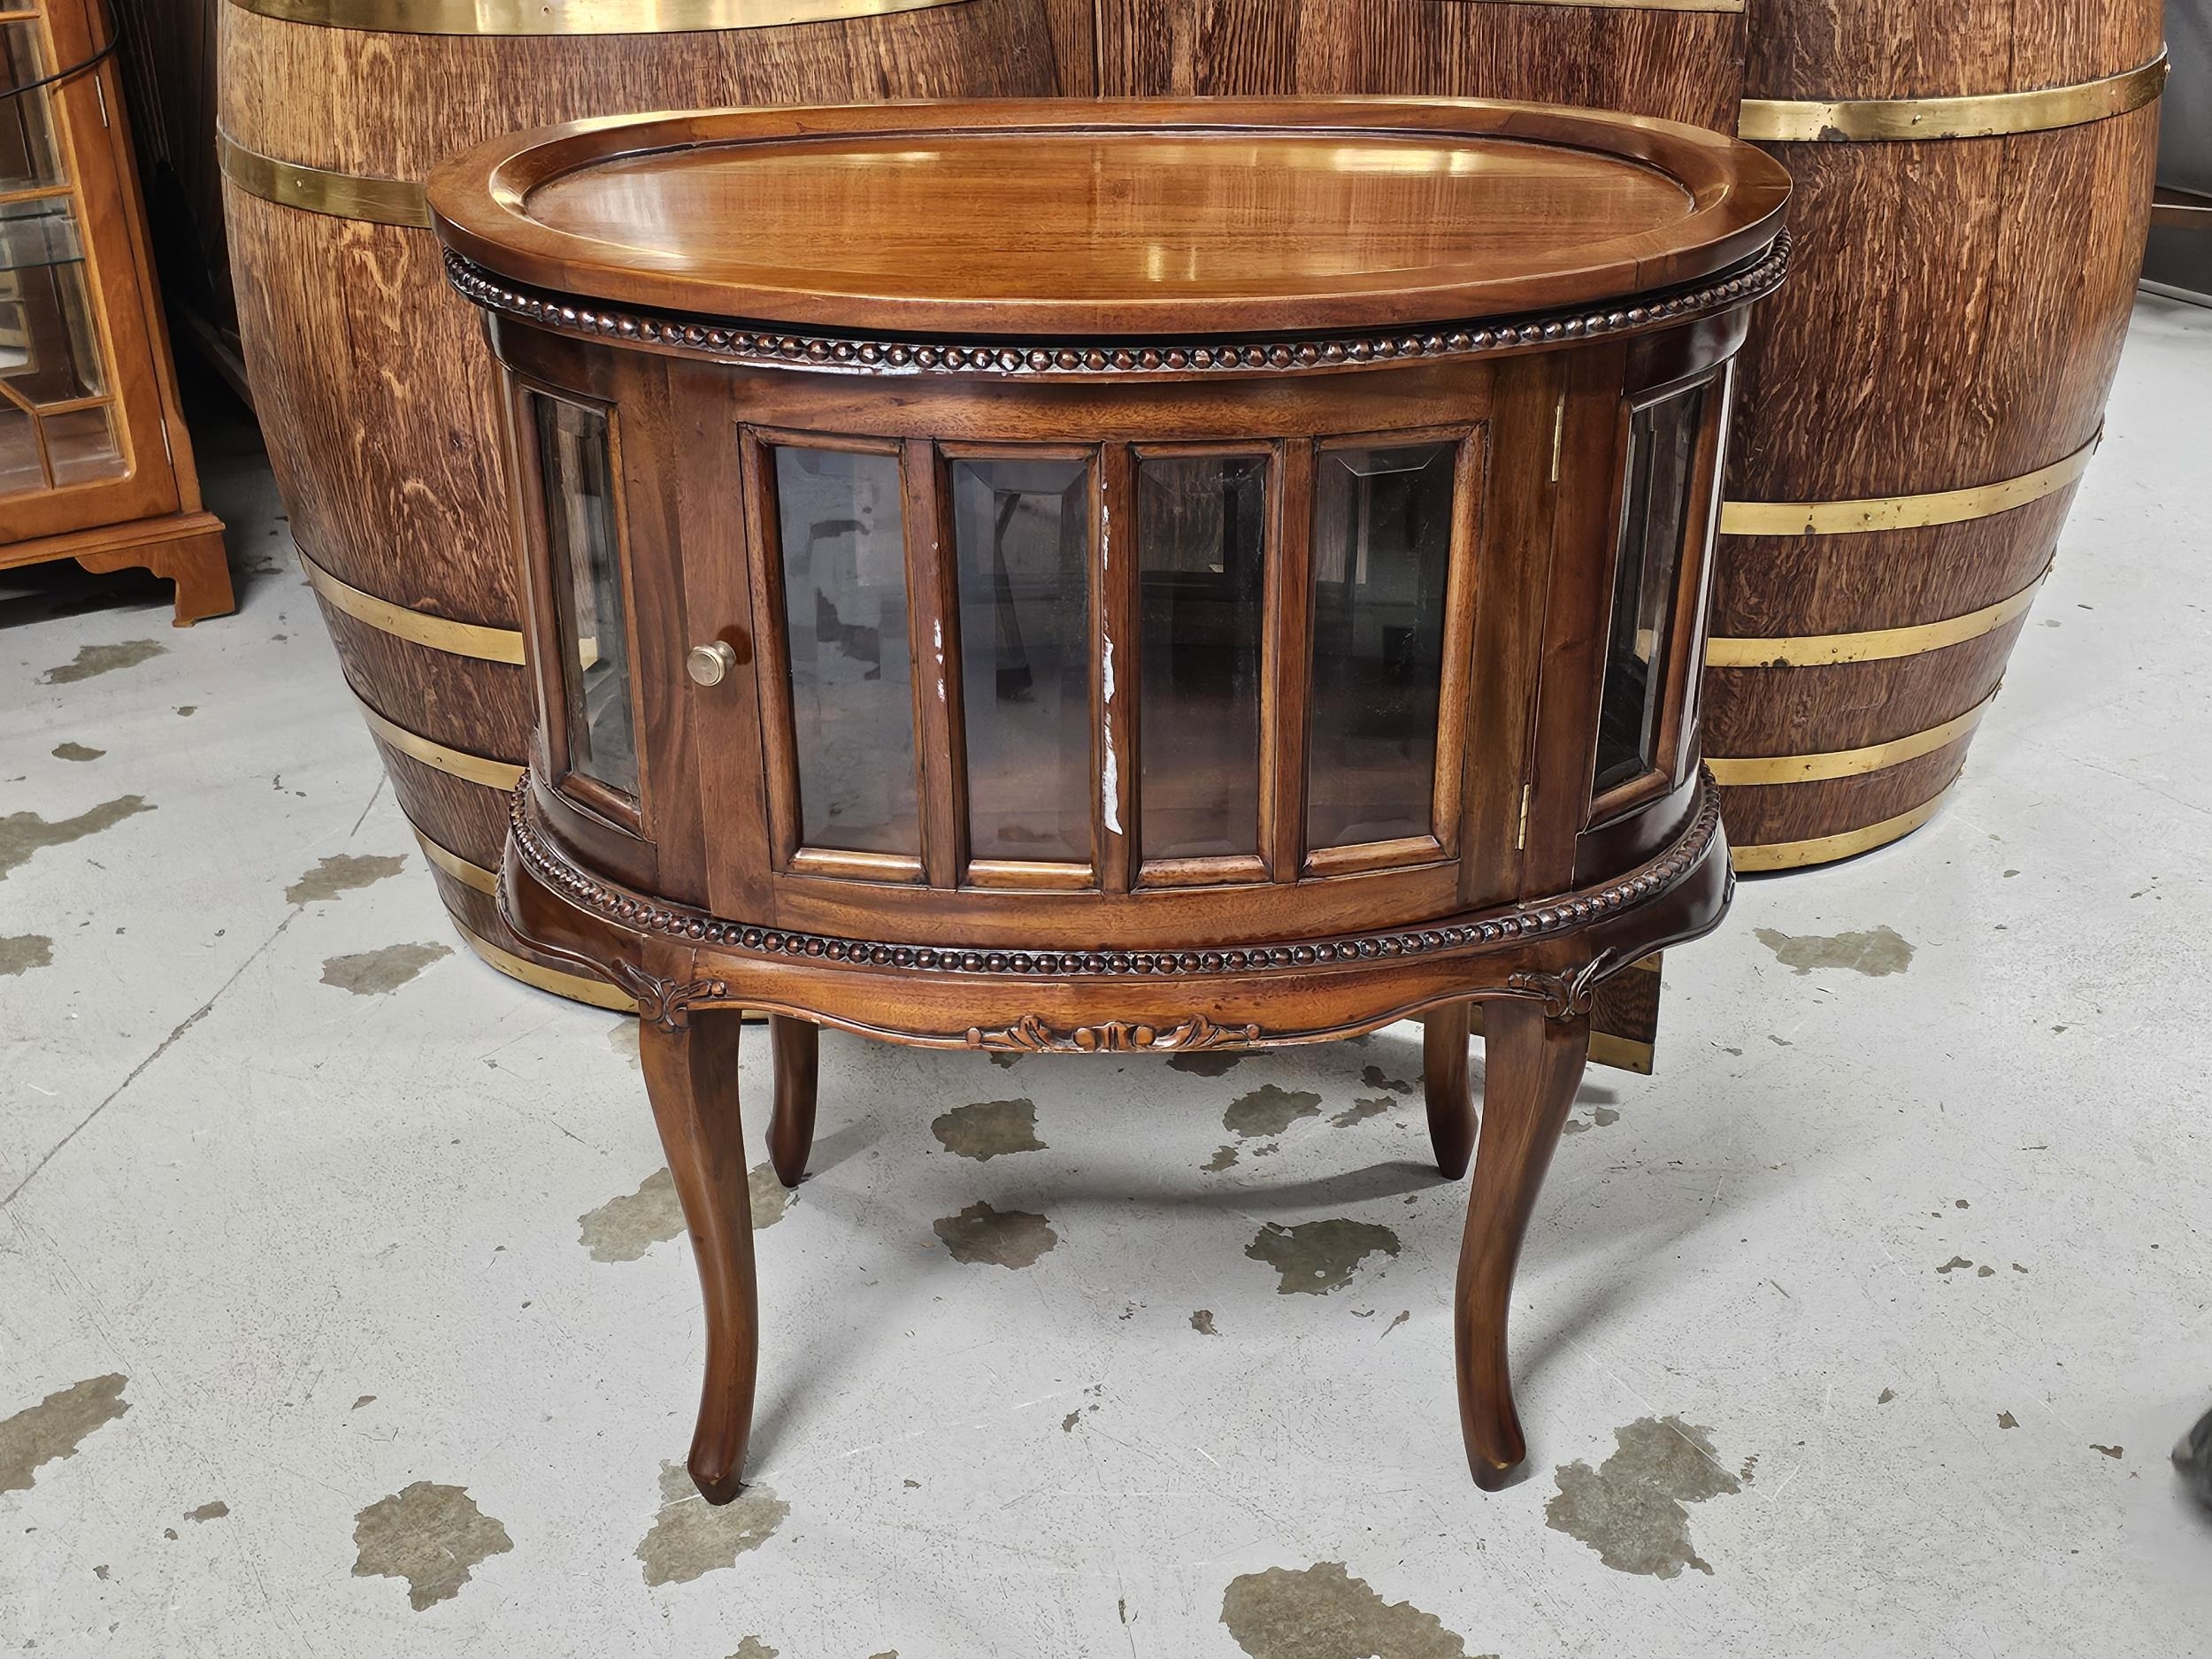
(1954, 318)
(1680, 65)
(381, 407)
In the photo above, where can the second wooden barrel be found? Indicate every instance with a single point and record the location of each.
(1914, 408)
(381, 407)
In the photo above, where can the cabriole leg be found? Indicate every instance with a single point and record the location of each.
(691, 1073)
(1532, 1066)
(1444, 1082)
(797, 1045)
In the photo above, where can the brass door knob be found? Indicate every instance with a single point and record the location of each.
(707, 664)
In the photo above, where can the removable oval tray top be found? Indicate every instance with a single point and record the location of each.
(1055, 219)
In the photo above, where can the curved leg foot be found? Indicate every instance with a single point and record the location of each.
(691, 1073)
(1444, 1081)
(1532, 1067)
(797, 1044)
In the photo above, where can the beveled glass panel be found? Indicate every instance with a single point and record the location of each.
(28, 156)
(576, 464)
(20, 468)
(1023, 533)
(852, 670)
(1199, 554)
(49, 348)
(80, 445)
(1661, 448)
(1382, 549)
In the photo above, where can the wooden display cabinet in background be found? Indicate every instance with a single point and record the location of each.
(94, 462)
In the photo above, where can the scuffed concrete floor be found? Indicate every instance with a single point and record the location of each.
(343, 1308)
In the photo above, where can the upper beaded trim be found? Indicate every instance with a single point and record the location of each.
(1030, 360)
(1558, 914)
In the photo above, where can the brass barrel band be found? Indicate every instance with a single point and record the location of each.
(416, 627)
(1844, 763)
(1981, 115)
(574, 986)
(454, 762)
(319, 190)
(1873, 645)
(1905, 512)
(578, 17)
(1824, 849)
(468, 874)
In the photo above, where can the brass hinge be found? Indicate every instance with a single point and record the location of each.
(1520, 835)
(1558, 433)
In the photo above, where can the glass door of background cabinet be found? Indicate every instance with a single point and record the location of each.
(82, 441)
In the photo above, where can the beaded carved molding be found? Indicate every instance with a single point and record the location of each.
(1030, 359)
(1529, 921)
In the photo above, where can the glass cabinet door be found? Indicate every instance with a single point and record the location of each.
(1202, 554)
(1663, 442)
(58, 424)
(841, 541)
(1382, 548)
(596, 728)
(1022, 531)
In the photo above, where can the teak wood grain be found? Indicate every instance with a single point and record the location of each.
(1512, 883)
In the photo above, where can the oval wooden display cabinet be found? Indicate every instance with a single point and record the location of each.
(1246, 588)
(381, 414)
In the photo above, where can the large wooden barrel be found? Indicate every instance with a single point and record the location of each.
(1973, 190)
(379, 402)
(1681, 59)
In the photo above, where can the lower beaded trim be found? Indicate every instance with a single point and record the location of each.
(1557, 915)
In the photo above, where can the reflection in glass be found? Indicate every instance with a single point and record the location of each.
(1023, 531)
(27, 155)
(19, 469)
(1382, 544)
(577, 467)
(852, 672)
(1662, 443)
(80, 445)
(1200, 548)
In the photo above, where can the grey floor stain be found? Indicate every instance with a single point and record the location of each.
(771, 1199)
(211, 1511)
(364, 1400)
(690, 1538)
(2006, 1420)
(1601, 1117)
(1204, 1062)
(342, 873)
(1006, 1061)
(1873, 953)
(1322, 1612)
(23, 833)
(103, 659)
(1359, 1112)
(1404, 1314)
(1886, 1396)
(2109, 1451)
(22, 952)
(1955, 1262)
(981, 1234)
(76, 751)
(1316, 1257)
(753, 1647)
(1269, 1110)
(432, 1536)
(1202, 1321)
(623, 1229)
(1629, 1508)
(1223, 1158)
(622, 1038)
(987, 1129)
(1372, 1076)
(55, 1426)
(375, 972)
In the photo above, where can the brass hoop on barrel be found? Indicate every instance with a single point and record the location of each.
(576, 16)
(1981, 115)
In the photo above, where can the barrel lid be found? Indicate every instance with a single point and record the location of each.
(1051, 220)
